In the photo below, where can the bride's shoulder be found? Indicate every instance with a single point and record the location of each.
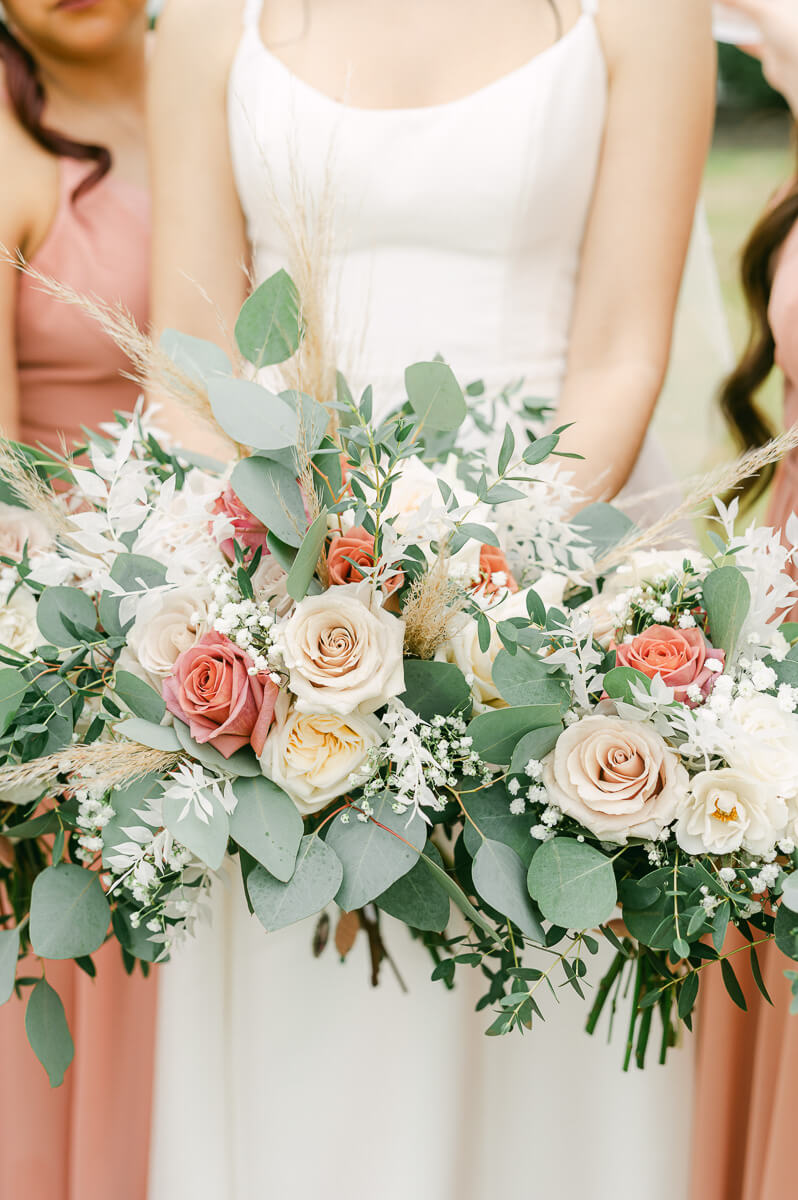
(651, 31)
(206, 31)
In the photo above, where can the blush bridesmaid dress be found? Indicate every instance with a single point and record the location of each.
(747, 1063)
(88, 1139)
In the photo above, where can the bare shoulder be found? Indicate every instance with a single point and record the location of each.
(651, 32)
(29, 194)
(197, 39)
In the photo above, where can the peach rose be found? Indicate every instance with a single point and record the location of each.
(492, 562)
(680, 656)
(354, 546)
(617, 778)
(222, 704)
(248, 531)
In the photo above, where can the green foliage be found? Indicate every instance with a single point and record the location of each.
(271, 492)
(195, 357)
(535, 745)
(242, 763)
(786, 931)
(69, 914)
(66, 617)
(435, 396)
(620, 682)
(603, 526)
(12, 689)
(204, 836)
(373, 857)
(147, 733)
(488, 816)
(267, 824)
(500, 878)
(418, 898)
(573, 883)
(727, 599)
(9, 952)
(496, 734)
(313, 885)
(142, 700)
(522, 678)
(48, 1032)
(435, 689)
(304, 565)
(253, 416)
(269, 327)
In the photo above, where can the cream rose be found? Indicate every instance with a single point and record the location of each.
(18, 628)
(166, 624)
(344, 652)
(618, 778)
(728, 810)
(768, 747)
(19, 527)
(314, 756)
(462, 646)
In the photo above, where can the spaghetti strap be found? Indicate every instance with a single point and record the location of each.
(590, 6)
(252, 12)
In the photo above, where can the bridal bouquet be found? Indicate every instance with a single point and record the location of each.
(371, 671)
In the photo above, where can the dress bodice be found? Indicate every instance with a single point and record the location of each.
(70, 372)
(455, 228)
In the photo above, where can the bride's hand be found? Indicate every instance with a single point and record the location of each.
(778, 51)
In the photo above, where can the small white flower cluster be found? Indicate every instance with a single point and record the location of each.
(248, 623)
(94, 813)
(765, 878)
(424, 758)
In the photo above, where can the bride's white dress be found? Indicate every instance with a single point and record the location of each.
(456, 229)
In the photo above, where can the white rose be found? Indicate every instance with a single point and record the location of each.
(343, 652)
(649, 566)
(18, 526)
(768, 747)
(18, 628)
(728, 810)
(166, 624)
(617, 778)
(180, 532)
(269, 582)
(314, 756)
(462, 648)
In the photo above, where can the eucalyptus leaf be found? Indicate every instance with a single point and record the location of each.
(417, 898)
(435, 688)
(313, 885)
(789, 893)
(269, 326)
(271, 492)
(200, 359)
(207, 838)
(136, 941)
(488, 816)
(500, 878)
(620, 682)
(267, 824)
(48, 1032)
(603, 526)
(142, 700)
(534, 746)
(523, 679)
(374, 857)
(435, 396)
(9, 953)
(306, 561)
(147, 733)
(573, 884)
(461, 900)
(253, 416)
(243, 763)
(57, 604)
(13, 686)
(138, 572)
(786, 931)
(727, 599)
(496, 734)
(69, 914)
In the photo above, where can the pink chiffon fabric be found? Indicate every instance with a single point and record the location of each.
(88, 1139)
(747, 1063)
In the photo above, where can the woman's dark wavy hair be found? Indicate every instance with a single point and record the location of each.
(27, 97)
(746, 420)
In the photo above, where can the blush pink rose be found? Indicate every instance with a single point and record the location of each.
(211, 690)
(679, 656)
(249, 532)
(355, 546)
(493, 562)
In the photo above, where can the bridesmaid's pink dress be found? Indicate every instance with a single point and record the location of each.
(747, 1063)
(89, 1139)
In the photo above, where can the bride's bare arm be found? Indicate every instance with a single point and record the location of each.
(661, 104)
(199, 264)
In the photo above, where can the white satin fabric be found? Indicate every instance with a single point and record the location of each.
(454, 229)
